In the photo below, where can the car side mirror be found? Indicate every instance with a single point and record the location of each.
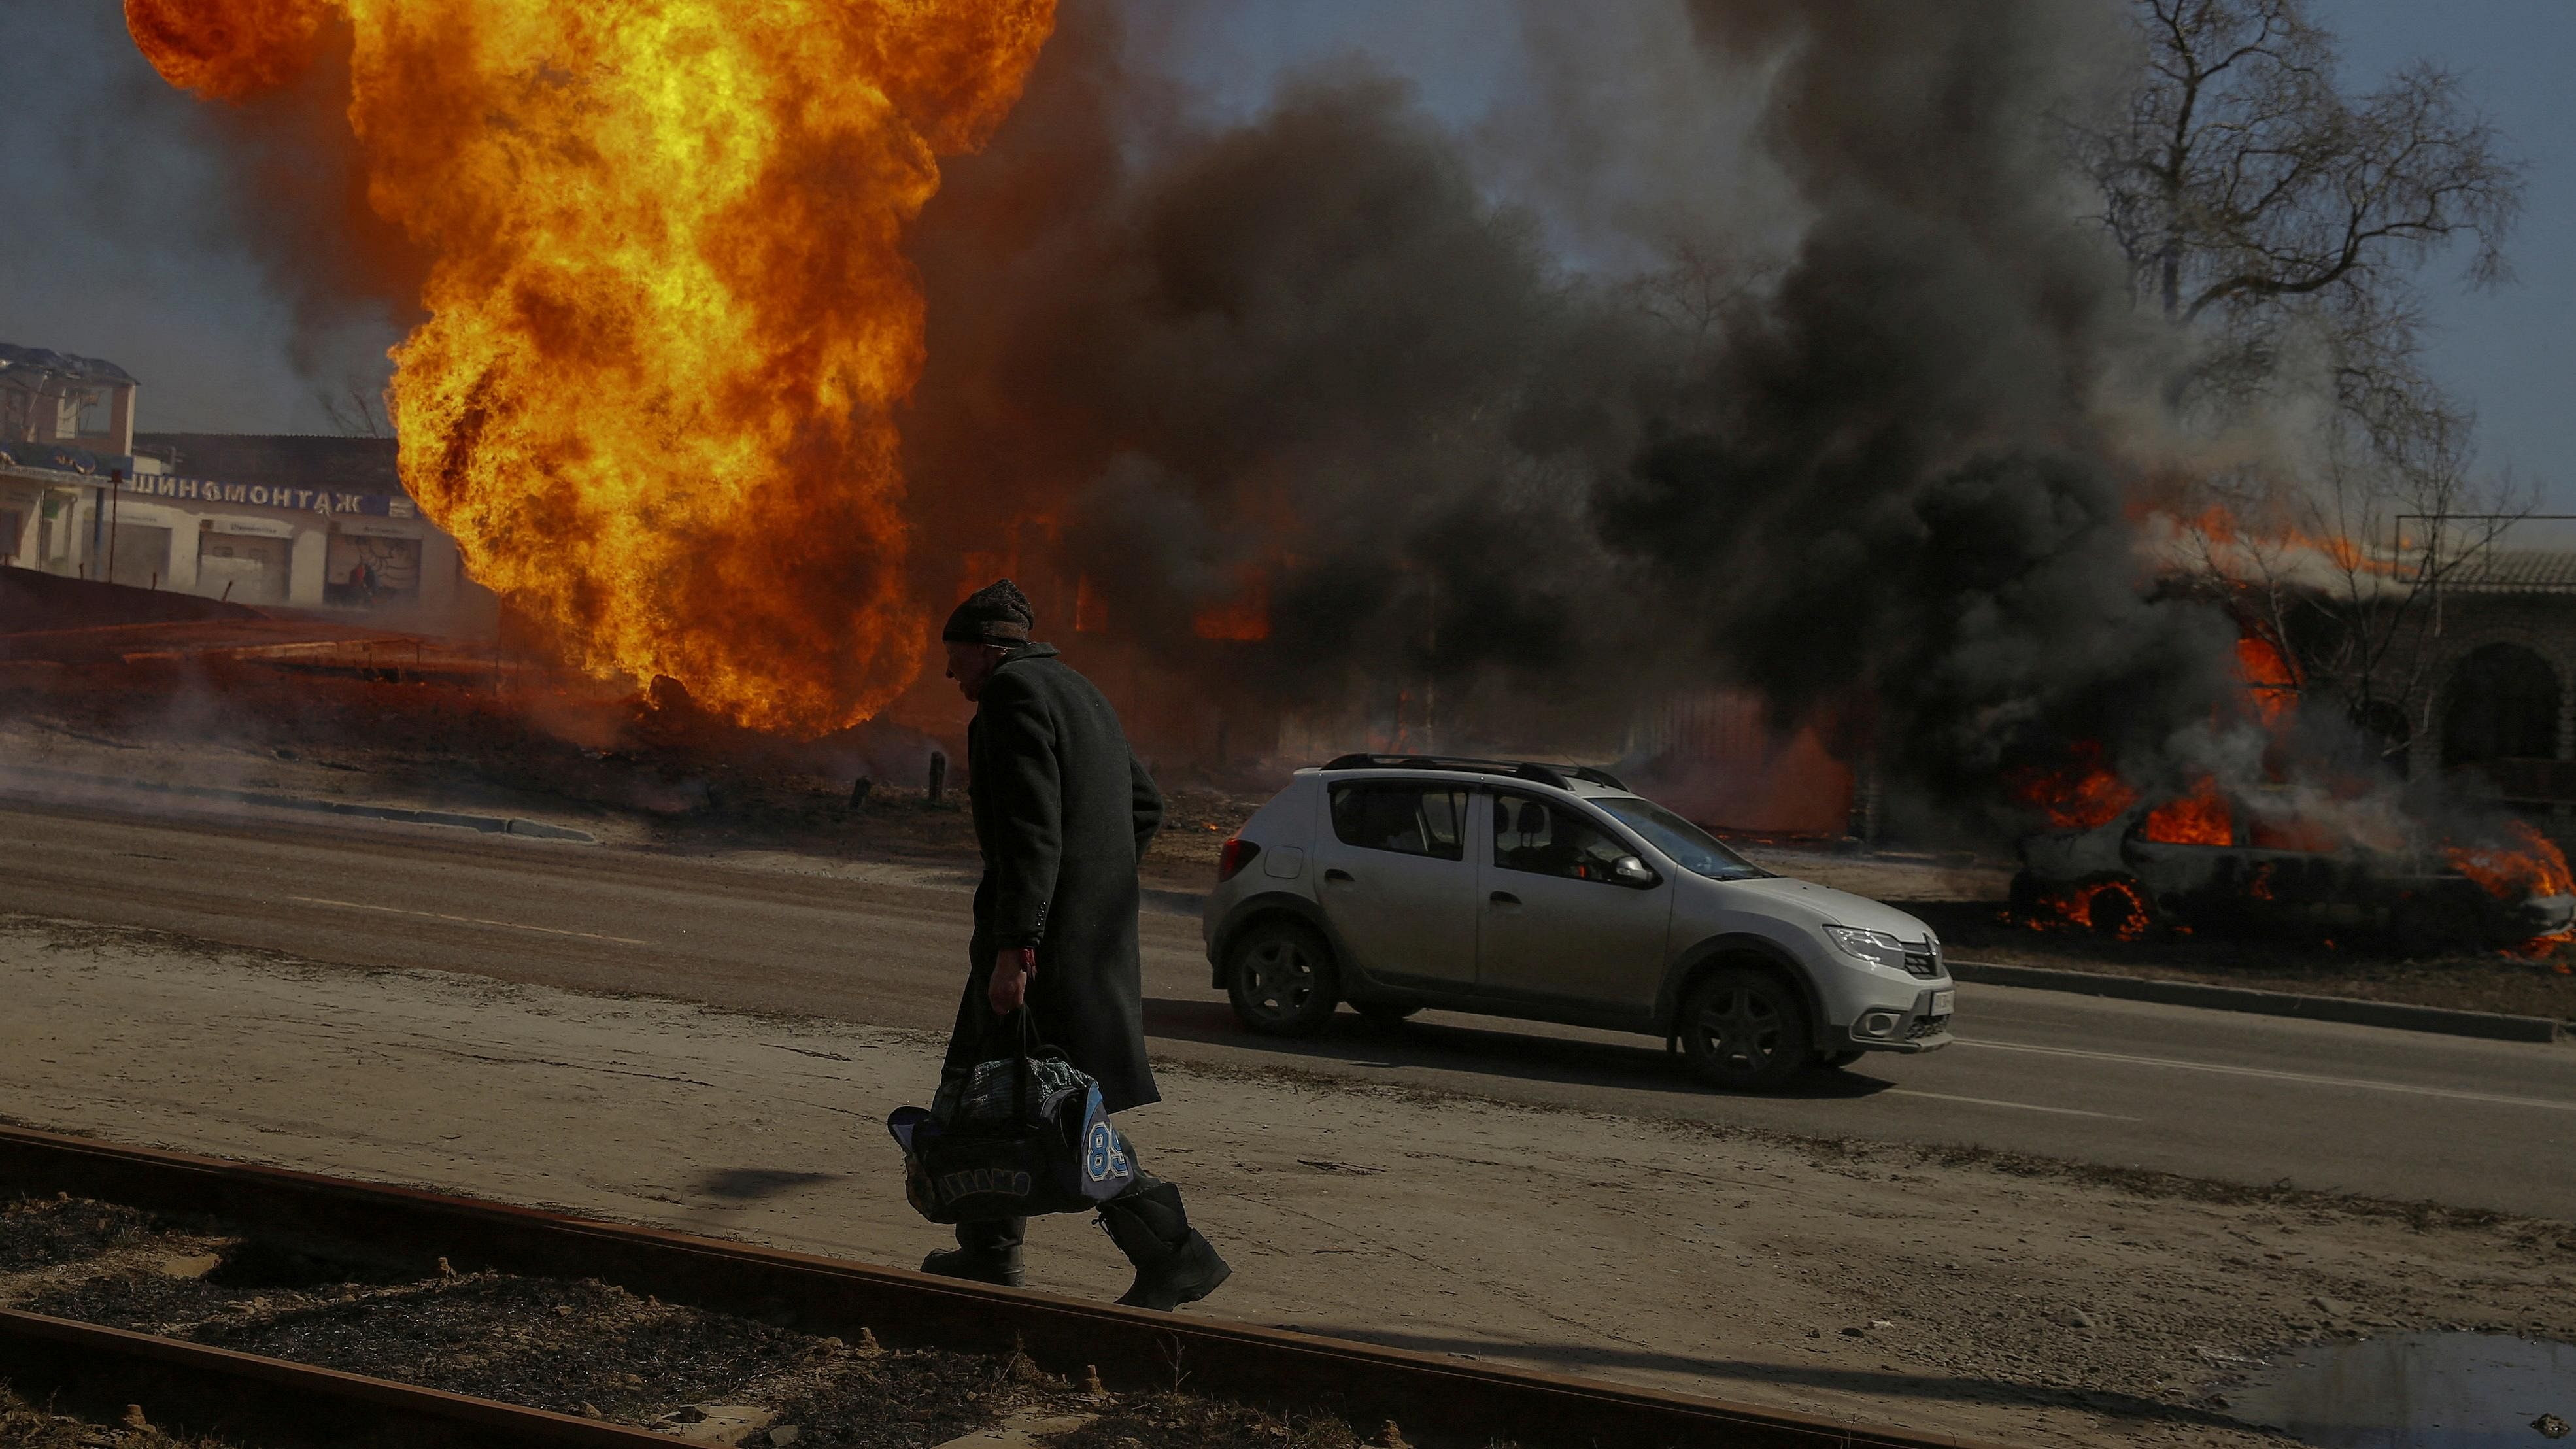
(1633, 872)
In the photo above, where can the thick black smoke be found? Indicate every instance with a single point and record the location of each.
(1313, 345)
(1310, 348)
(1908, 489)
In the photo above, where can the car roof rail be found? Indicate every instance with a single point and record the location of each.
(1521, 769)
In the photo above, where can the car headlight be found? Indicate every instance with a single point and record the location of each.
(1876, 947)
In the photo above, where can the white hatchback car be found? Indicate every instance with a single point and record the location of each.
(1554, 893)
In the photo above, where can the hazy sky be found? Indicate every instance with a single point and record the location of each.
(115, 239)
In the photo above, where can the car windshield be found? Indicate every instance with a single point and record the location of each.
(1690, 847)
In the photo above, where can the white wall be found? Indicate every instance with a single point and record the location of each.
(304, 572)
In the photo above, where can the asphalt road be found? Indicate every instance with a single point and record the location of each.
(2212, 1094)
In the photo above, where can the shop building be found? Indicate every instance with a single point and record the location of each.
(299, 522)
(305, 522)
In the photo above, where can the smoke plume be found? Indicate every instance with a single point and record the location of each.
(1313, 348)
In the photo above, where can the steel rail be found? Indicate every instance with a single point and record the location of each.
(1436, 1400)
(196, 1389)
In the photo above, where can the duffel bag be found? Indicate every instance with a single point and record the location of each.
(1016, 1136)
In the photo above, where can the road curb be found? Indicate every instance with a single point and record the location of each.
(487, 824)
(2491, 1025)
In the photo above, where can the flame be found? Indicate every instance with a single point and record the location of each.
(2198, 818)
(226, 51)
(2115, 908)
(2528, 865)
(2229, 540)
(2079, 795)
(669, 312)
(2271, 686)
(2525, 866)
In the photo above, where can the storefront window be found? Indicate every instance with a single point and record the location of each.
(363, 572)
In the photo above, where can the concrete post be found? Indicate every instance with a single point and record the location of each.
(307, 556)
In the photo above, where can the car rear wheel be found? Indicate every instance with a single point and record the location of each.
(1282, 981)
(1744, 1028)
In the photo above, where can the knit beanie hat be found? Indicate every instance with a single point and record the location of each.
(997, 613)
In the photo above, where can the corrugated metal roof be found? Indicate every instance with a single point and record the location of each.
(62, 364)
(2516, 571)
(288, 460)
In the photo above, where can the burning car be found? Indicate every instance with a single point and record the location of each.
(2209, 858)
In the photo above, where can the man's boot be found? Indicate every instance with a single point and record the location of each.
(985, 1253)
(1174, 1263)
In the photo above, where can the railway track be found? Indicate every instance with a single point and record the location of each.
(1437, 1401)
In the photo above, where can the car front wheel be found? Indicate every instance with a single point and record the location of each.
(1745, 1029)
(1282, 981)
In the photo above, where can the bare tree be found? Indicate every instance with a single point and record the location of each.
(356, 408)
(2256, 201)
(1703, 287)
(2384, 635)
(2280, 222)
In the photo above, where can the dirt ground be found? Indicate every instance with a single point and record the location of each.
(628, 773)
(1954, 1291)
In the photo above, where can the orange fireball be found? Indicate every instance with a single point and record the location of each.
(226, 51)
(670, 317)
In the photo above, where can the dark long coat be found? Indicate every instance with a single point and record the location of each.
(1062, 812)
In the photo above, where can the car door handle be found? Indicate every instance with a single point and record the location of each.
(1504, 898)
(1339, 875)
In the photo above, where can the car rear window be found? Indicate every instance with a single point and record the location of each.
(1411, 819)
(1690, 847)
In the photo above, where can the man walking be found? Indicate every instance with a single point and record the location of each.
(1062, 813)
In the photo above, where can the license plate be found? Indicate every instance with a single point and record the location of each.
(1942, 1001)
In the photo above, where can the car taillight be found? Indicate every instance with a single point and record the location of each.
(1237, 854)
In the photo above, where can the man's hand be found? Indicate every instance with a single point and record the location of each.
(1012, 972)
